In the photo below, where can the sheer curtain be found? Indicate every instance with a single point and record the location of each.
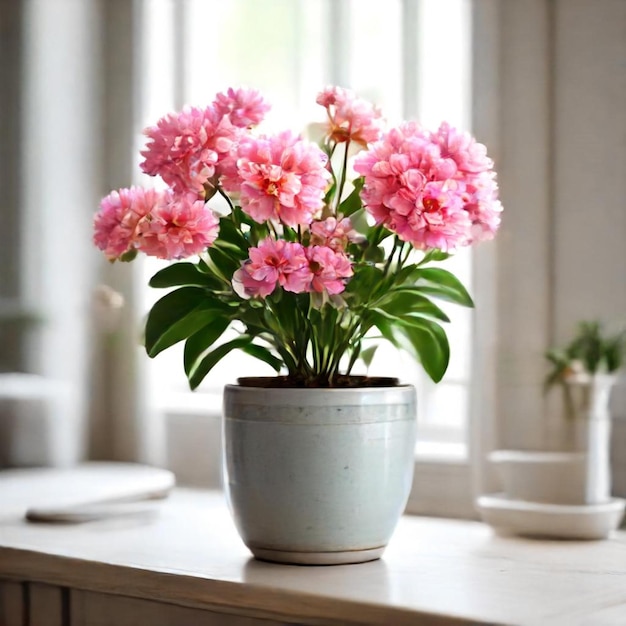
(76, 119)
(48, 268)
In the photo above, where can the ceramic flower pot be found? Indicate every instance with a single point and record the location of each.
(318, 476)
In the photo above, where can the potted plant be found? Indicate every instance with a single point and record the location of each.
(320, 252)
(586, 371)
(591, 354)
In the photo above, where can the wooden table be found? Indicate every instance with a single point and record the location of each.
(180, 562)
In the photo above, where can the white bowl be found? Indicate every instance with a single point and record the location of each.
(534, 519)
(550, 477)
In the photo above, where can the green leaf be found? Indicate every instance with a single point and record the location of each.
(407, 275)
(614, 352)
(378, 234)
(358, 219)
(363, 281)
(272, 323)
(424, 339)
(374, 254)
(353, 202)
(241, 217)
(198, 343)
(129, 255)
(183, 274)
(327, 330)
(231, 235)
(434, 255)
(210, 360)
(251, 314)
(556, 376)
(405, 302)
(263, 354)
(385, 327)
(444, 285)
(178, 315)
(367, 355)
(331, 191)
(226, 263)
(429, 344)
(281, 312)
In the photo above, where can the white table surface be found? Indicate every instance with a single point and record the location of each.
(185, 550)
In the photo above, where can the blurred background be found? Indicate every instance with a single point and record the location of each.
(541, 82)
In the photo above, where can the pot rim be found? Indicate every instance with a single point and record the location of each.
(320, 396)
(353, 390)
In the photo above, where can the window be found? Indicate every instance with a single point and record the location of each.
(390, 53)
(85, 48)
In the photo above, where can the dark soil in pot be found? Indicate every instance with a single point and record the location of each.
(339, 382)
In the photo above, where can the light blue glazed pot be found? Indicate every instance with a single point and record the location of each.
(318, 476)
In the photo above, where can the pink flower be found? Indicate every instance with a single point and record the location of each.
(244, 107)
(281, 178)
(178, 227)
(330, 269)
(442, 223)
(274, 263)
(435, 190)
(350, 118)
(186, 149)
(247, 287)
(334, 233)
(293, 267)
(115, 225)
(483, 206)
(470, 157)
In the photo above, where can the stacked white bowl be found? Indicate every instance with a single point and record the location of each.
(551, 494)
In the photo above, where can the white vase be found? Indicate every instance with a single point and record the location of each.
(318, 476)
(587, 409)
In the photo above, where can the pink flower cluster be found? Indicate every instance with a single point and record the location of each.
(160, 224)
(294, 267)
(281, 178)
(243, 107)
(191, 149)
(350, 118)
(177, 228)
(434, 189)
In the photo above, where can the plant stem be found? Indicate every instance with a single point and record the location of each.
(348, 339)
(393, 251)
(407, 253)
(225, 196)
(273, 229)
(344, 169)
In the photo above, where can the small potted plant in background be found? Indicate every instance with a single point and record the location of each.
(587, 365)
(319, 252)
(586, 371)
(567, 493)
